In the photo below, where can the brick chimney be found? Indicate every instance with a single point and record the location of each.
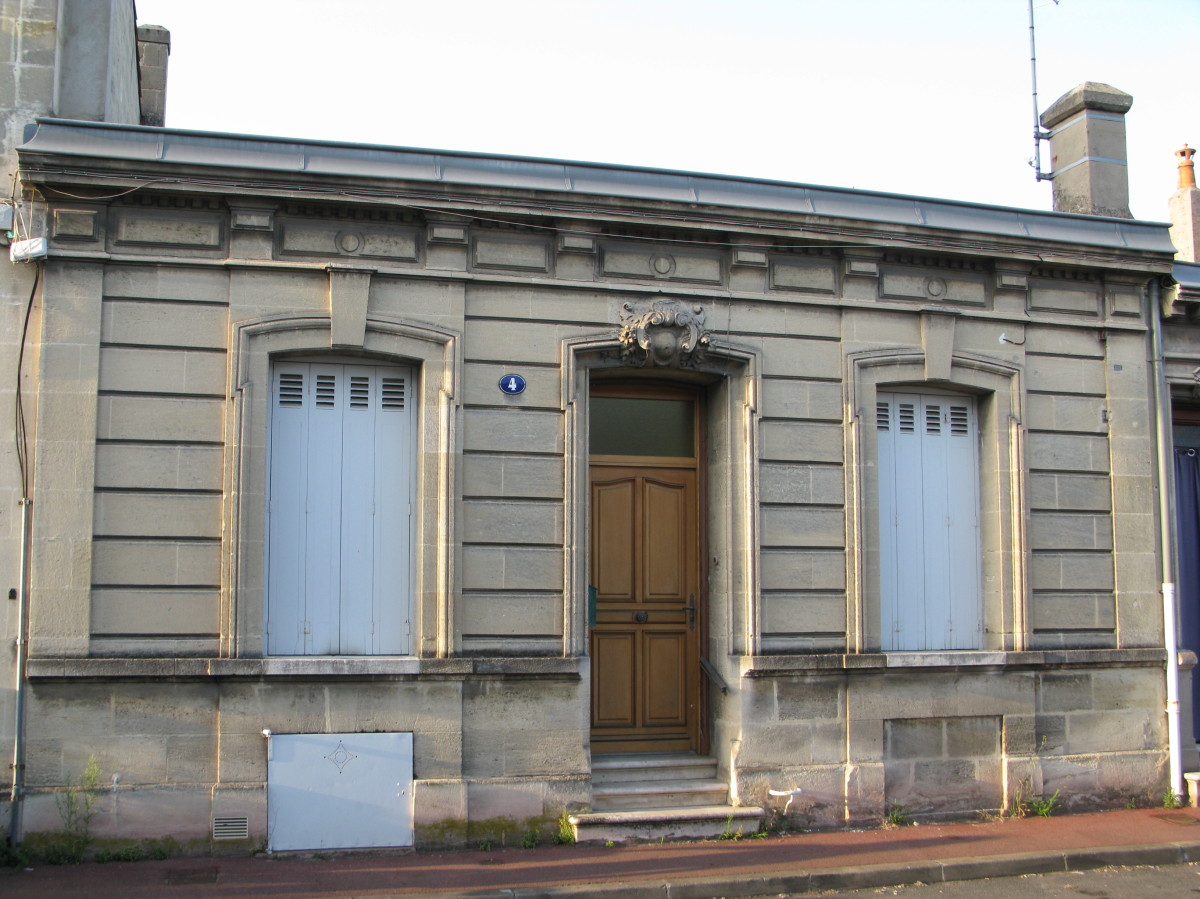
(153, 48)
(1087, 147)
(1185, 210)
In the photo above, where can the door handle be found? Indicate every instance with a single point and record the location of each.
(641, 617)
(691, 610)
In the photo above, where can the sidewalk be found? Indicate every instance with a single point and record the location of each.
(788, 864)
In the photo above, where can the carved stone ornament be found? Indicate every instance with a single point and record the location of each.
(1196, 375)
(666, 334)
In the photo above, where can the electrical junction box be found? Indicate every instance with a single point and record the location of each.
(28, 250)
(339, 791)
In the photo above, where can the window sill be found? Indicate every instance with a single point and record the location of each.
(775, 666)
(307, 667)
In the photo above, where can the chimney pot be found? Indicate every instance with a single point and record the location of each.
(1184, 207)
(1187, 168)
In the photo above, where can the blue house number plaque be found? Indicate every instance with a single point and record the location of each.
(512, 384)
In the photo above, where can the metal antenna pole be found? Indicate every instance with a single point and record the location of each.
(1038, 134)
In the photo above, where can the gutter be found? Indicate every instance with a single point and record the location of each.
(1166, 514)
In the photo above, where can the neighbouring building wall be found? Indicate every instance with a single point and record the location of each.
(74, 60)
(28, 34)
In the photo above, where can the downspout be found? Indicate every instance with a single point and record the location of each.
(22, 646)
(1166, 514)
(22, 641)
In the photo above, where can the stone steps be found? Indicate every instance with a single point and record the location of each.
(660, 796)
(647, 794)
(701, 822)
(611, 769)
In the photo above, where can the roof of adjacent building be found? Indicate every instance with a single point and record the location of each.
(140, 151)
(1187, 275)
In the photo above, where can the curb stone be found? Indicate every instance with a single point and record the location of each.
(855, 878)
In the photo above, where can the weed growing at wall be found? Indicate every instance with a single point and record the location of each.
(1043, 807)
(895, 816)
(76, 807)
(565, 835)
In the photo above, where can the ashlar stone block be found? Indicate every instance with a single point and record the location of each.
(811, 400)
(802, 526)
(512, 476)
(801, 441)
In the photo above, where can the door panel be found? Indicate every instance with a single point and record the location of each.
(612, 519)
(665, 684)
(664, 551)
(645, 643)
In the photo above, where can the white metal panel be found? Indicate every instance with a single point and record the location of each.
(962, 526)
(339, 791)
(394, 475)
(889, 566)
(323, 535)
(934, 480)
(358, 507)
(909, 626)
(288, 489)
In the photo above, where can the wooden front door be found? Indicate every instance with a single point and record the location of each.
(645, 568)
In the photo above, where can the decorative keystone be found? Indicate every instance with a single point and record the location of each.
(665, 333)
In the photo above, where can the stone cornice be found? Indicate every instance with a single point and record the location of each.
(111, 158)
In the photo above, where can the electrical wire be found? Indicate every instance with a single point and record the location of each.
(19, 430)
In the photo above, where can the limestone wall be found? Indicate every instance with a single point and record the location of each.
(165, 312)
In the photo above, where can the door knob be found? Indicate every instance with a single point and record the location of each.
(641, 617)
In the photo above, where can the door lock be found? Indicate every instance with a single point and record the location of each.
(691, 610)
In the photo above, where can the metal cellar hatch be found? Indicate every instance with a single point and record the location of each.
(339, 791)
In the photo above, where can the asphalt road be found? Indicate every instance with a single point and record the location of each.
(1167, 882)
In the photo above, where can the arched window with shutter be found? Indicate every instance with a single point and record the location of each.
(339, 570)
(929, 553)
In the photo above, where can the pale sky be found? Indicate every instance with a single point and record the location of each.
(924, 97)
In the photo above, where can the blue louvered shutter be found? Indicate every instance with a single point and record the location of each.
(929, 553)
(338, 526)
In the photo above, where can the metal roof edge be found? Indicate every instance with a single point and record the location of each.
(295, 155)
(1187, 275)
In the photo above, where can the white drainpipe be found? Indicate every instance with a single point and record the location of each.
(1166, 513)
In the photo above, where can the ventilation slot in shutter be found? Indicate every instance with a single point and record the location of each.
(908, 418)
(960, 421)
(883, 416)
(291, 389)
(360, 393)
(326, 391)
(393, 393)
(933, 419)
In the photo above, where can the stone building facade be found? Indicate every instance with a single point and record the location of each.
(578, 488)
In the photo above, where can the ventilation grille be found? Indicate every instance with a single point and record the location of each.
(360, 392)
(393, 393)
(326, 391)
(933, 419)
(231, 828)
(291, 389)
(960, 421)
(908, 418)
(883, 416)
